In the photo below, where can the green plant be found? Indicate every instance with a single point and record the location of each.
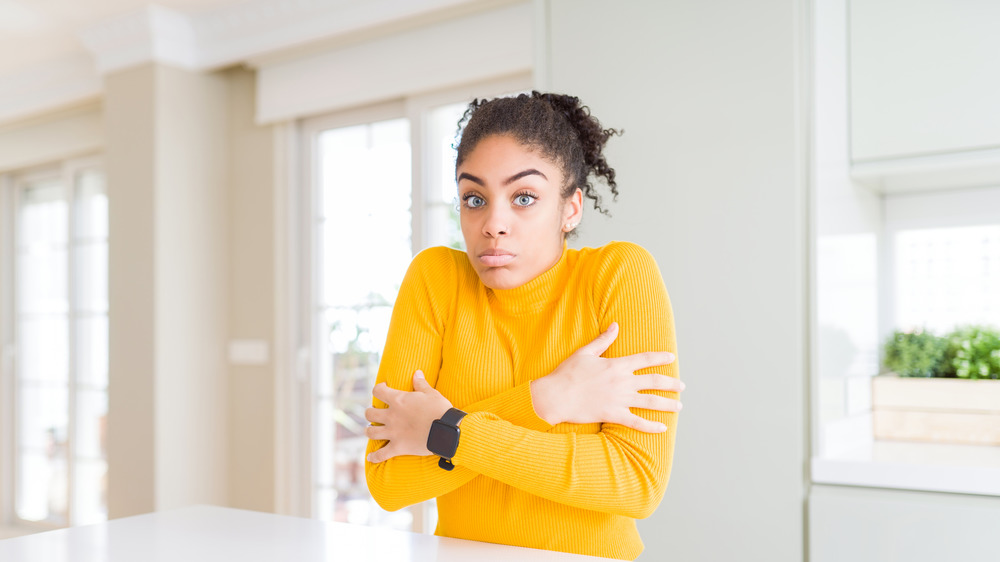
(974, 353)
(915, 354)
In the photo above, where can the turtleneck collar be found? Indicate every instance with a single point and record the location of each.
(536, 294)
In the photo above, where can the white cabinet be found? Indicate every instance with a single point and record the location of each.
(870, 525)
(925, 93)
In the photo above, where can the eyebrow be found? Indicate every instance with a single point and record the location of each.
(508, 181)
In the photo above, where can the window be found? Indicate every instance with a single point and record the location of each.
(380, 187)
(364, 195)
(934, 265)
(58, 377)
(946, 277)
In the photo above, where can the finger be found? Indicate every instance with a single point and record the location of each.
(383, 454)
(376, 415)
(377, 432)
(656, 381)
(384, 393)
(658, 403)
(601, 343)
(641, 424)
(648, 359)
(420, 384)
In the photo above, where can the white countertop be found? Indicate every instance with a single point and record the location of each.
(212, 534)
(932, 467)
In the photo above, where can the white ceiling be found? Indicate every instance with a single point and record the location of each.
(39, 31)
(54, 53)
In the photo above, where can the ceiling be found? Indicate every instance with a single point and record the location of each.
(33, 32)
(54, 53)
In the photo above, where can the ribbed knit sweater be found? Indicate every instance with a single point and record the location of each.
(519, 480)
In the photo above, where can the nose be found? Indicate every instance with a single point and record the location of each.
(497, 223)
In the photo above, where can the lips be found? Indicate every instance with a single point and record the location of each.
(496, 257)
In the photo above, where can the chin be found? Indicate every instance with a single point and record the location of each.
(499, 278)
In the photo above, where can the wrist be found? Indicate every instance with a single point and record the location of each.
(443, 438)
(542, 400)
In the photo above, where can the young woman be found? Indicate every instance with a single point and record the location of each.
(493, 393)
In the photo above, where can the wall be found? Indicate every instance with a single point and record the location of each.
(167, 166)
(251, 299)
(129, 156)
(712, 176)
(52, 137)
(192, 280)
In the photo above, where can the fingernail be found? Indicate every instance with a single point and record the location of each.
(419, 374)
(662, 428)
(613, 326)
(368, 458)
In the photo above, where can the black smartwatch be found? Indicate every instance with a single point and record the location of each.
(443, 438)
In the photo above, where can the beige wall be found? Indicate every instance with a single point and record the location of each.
(53, 137)
(251, 299)
(191, 267)
(130, 122)
(711, 173)
(167, 168)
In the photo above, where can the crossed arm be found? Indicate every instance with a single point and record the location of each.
(619, 469)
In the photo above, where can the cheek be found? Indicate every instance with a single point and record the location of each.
(465, 221)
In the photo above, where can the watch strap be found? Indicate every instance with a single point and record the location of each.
(453, 416)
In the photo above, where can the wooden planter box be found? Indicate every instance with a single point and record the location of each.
(939, 410)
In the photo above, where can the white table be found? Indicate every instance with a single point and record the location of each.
(213, 534)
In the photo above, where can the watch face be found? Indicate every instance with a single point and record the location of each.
(443, 439)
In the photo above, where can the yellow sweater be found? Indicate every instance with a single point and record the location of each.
(519, 480)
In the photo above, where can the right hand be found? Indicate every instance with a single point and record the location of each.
(588, 388)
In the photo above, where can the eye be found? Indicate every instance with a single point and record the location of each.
(524, 199)
(473, 201)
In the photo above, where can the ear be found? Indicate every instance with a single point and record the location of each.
(572, 211)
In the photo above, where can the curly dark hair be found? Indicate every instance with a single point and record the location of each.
(557, 125)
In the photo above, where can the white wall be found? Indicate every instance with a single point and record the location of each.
(711, 171)
(192, 286)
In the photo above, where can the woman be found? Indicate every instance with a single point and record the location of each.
(513, 419)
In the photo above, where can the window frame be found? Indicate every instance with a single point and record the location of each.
(298, 168)
(12, 184)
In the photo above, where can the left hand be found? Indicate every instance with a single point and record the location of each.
(406, 421)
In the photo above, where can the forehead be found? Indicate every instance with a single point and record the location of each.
(501, 156)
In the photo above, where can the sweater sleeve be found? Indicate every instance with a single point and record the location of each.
(616, 470)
